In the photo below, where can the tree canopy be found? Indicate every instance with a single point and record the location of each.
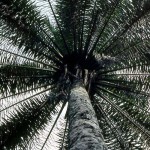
(107, 42)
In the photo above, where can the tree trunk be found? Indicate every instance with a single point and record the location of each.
(84, 131)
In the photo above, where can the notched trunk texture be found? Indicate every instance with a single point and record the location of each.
(84, 131)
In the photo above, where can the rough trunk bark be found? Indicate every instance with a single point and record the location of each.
(84, 131)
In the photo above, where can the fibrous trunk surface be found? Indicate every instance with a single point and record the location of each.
(84, 131)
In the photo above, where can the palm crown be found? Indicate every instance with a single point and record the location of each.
(104, 44)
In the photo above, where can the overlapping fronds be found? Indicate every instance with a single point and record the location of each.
(24, 123)
(22, 24)
(106, 43)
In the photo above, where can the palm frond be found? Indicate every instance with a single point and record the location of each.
(142, 130)
(104, 43)
(62, 107)
(18, 77)
(28, 21)
(4, 52)
(132, 137)
(23, 100)
(22, 125)
(63, 135)
(110, 123)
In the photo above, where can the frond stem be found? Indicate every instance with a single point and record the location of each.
(25, 99)
(115, 95)
(113, 128)
(105, 25)
(126, 115)
(54, 124)
(58, 26)
(22, 92)
(29, 58)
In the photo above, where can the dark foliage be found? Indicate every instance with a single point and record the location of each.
(105, 43)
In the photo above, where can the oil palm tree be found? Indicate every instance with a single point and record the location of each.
(81, 74)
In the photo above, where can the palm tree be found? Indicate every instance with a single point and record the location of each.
(85, 68)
